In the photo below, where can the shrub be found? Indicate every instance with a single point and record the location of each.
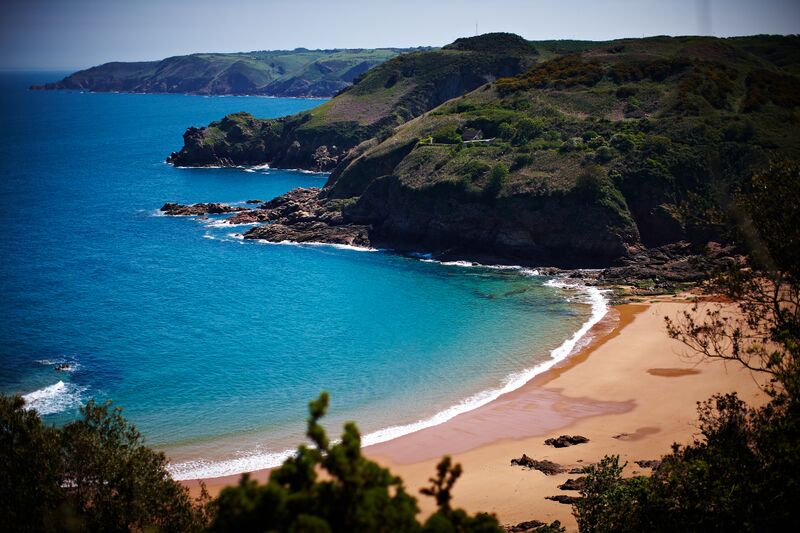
(572, 144)
(497, 178)
(446, 135)
(506, 131)
(356, 494)
(522, 160)
(604, 153)
(474, 169)
(592, 179)
(94, 474)
(596, 142)
(528, 129)
(622, 142)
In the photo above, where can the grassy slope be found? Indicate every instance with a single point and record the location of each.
(380, 99)
(662, 131)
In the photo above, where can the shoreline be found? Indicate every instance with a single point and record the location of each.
(593, 297)
(597, 331)
(629, 391)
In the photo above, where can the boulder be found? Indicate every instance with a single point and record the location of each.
(566, 440)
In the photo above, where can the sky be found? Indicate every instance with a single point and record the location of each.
(73, 34)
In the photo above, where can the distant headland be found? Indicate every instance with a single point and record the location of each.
(286, 73)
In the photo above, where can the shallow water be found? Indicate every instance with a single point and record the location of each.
(214, 345)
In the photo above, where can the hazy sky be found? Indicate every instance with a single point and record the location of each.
(71, 34)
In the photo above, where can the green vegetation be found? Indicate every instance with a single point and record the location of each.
(677, 125)
(95, 474)
(384, 97)
(298, 72)
(740, 473)
(355, 494)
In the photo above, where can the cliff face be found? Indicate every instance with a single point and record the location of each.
(567, 230)
(300, 72)
(585, 159)
(382, 98)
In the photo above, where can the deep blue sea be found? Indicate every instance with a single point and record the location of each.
(214, 345)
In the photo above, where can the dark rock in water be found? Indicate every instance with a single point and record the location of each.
(649, 463)
(254, 202)
(301, 216)
(311, 232)
(199, 209)
(563, 498)
(253, 216)
(63, 367)
(573, 484)
(535, 526)
(566, 440)
(548, 468)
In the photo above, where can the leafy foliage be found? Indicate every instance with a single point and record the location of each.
(355, 494)
(94, 474)
(740, 473)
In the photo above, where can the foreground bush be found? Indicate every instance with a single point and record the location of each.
(352, 494)
(94, 474)
(742, 472)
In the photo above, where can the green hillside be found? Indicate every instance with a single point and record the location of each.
(378, 101)
(589, 153)
(635, 141)
(299, 72)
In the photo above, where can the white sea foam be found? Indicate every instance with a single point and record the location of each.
(427, 258)
(320, 244)
(202, 469)
(71, 363)
(223, 223)
(259, 460)
(55, 398)
(256, 168)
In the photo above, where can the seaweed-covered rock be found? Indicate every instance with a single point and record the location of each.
(535, 526)
(548, 468)
(172, 209)
(566, 440)
(573, 484)
(563, 498)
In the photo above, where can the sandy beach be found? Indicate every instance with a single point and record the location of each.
(632, 391)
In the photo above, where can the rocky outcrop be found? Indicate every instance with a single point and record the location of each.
(172, 209)
(574, 484)
(566, 440)
(535, 526)
(302, 216)
(565, 230)
(672, 263)
(649, 463)
(548, 468)
(563, 498)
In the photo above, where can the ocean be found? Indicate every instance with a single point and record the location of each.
(214, 345)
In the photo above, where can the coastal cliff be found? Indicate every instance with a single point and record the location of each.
(385, 97)
(590, 157)
(288, 73)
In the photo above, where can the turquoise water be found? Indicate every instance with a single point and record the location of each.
(214, 345)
